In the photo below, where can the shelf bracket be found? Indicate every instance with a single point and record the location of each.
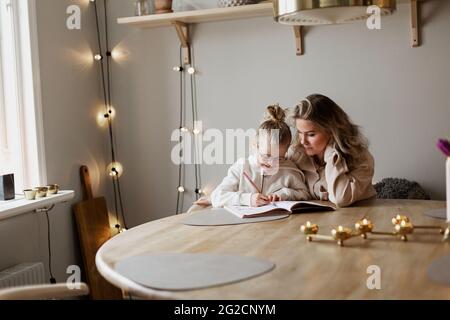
(415, 40)
(183, 33)
(298, 40)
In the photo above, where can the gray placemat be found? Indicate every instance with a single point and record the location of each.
(437, 213)
(221, 217)
(439, 271)
(189, 271)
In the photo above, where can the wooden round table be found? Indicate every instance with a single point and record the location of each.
(304, 270)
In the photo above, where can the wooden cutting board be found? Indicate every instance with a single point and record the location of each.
(94, 229)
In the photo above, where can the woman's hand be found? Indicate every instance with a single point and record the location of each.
(273, 197)
(258, 200)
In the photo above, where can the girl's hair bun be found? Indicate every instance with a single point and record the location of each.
(275, 113)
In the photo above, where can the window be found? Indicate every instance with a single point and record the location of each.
(21, 142)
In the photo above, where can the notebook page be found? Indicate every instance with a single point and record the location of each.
(243, 210)
(285, 204)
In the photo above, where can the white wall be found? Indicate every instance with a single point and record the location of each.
(70, 100)
(399, 95)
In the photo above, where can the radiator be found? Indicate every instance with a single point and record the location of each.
(23, 274)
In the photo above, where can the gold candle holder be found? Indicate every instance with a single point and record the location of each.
(363, 227)
(341, 234)
(403, 229)
(400, 219)
(309, 229)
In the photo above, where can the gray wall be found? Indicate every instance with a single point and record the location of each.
(70, 101)
(399, 95)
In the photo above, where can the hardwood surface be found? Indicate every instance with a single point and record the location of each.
(317, 270)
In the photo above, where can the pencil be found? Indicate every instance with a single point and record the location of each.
(251, 181)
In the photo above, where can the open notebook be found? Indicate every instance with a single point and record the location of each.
(281, 207)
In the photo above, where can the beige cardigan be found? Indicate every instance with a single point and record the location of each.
(235, 189)
(335, 182)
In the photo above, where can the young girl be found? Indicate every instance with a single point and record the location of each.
(266, 176)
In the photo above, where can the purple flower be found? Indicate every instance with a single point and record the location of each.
(444, 146)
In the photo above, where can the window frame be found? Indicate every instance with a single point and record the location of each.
(29, 99)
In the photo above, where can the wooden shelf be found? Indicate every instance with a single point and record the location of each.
(264, 9)
(181, 20)
(196, 16)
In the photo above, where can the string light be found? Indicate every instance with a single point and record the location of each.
(111, 113)
(116, 54)
(119, 228)
(115, 169)
(191, 70)
(183, 129)
(103, 117)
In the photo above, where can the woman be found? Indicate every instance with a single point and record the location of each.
(331, 152)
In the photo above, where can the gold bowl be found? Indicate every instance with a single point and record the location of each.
(52, 189)
(30, 194)
(41, 192)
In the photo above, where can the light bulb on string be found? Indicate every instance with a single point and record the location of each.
(111, 113)
(191, 70)
(103, 117)
(178, 68)
(181, 189)
(196, 131)
(98, 57)
(184, 129)
(120, 53)
(115, 169)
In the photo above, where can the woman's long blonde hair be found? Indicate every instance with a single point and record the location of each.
(348, 139)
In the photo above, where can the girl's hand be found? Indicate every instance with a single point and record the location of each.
(273, 197)
(258, 200)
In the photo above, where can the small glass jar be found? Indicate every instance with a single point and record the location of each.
(141, 8)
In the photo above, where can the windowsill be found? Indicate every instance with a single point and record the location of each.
(20, 205)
